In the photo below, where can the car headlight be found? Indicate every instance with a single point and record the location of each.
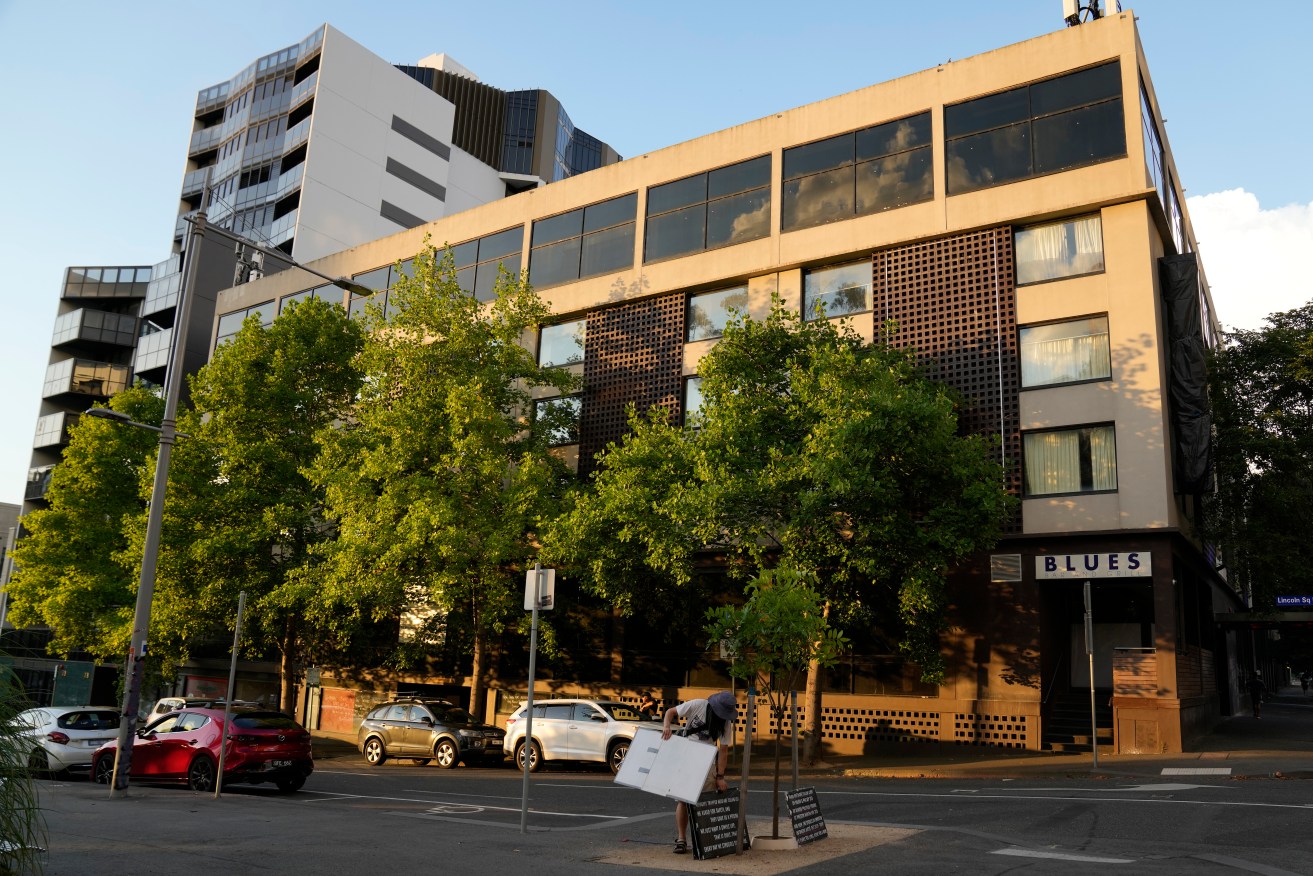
(470, 733)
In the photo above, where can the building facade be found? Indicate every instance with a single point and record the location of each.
(1015, 218)
(314, 148)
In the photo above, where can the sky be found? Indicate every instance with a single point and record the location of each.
(96, 101)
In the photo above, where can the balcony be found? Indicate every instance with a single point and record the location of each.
(194, 182)
(52, 429)
(296, 135)
(303, 90)
(86, 378)
(153, 351)
(165, 283)
(205, 139)
(95, 327)
(38, 483)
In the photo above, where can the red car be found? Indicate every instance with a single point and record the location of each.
(263, 746)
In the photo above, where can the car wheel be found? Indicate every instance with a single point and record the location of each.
(375, 753)
(535, 757)
(200, 775)
(38, 761)
(290, 784)
(102, 771)
(615, 755)
(446, 754)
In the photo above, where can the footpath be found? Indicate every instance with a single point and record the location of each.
(1277, 745)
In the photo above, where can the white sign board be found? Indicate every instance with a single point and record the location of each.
(547, 593)
(676, 767)
(1132, 564)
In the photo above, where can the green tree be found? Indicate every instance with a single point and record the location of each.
(1261, 390)
(22, 827)
(775, 637)
(77, 567)
(242, 514)
(811, 451)
(436, 483)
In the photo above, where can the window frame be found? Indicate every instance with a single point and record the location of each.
(1107, 350)
(572, 434)
(808, 310)
(1083, 462)
(574, 240)
(702, 204)
(582, 344)
(716, 332)
(1072, 232)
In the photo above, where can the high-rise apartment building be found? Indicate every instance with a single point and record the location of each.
(312, 149)
(1017, 217)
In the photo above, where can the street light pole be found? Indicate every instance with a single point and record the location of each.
(135, 669)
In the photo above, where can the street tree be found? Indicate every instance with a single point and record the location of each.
(242, 513)
(773, 638)
(437, 483)
(76, 568)
(1261, 391)
(812, 451)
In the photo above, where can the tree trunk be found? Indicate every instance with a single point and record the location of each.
(287, 668)
(811, 749)
(477, 695)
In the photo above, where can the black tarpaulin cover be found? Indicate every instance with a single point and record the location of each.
(1188, 382)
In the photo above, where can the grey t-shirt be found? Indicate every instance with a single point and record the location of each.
(694, 713)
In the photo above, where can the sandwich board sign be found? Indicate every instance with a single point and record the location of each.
(676, 767)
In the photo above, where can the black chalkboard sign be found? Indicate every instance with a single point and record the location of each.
(714, 820)
(805, 812)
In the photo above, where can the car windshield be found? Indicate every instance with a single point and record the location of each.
(451, 715)
(621, 712)
(265, 721)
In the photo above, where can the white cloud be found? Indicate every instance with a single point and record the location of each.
(1255, 259)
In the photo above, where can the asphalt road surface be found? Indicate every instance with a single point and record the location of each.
(351, 818)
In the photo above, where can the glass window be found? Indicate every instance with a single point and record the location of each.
(599, 239)
(1069, 248)
(559, 712)
(837, 291)
(1070, 461)
(477, 262)
(692, 400)
(1064, 122)
(709, 312)
(867, 171)
(562, 344)
(718, 208)
(1065, 352)
(560, 418)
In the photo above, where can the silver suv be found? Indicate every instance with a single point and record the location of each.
(584, 730)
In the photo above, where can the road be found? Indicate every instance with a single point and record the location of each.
(351, 818)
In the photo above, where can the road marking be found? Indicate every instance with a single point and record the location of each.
(1303, 806)
(1059, 856)
(333, 795)
(1196, 771)
(1249, 866)
(455, 794)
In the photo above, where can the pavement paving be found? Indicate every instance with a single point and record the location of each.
(1277, 745)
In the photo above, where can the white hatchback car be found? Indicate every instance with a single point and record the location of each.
(583, 730)
(65, 737)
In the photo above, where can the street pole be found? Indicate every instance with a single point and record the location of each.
(136, 662)
(228, 700)
(528, 706)
(1089, 650)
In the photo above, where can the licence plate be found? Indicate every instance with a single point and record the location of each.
(277, 764)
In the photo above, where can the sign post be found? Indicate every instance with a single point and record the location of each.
(539, 589)
(1089, 651)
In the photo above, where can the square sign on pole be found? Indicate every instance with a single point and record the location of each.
(547, 593)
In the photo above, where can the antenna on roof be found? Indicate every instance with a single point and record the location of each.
(1074, 13)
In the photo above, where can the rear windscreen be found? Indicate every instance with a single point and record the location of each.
(265, 721)
(98, 720)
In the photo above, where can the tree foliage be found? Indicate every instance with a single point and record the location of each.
(77, 567)
(241, 513)
(436, 483)
(811, 451)
(1261, 389)
(22, 827)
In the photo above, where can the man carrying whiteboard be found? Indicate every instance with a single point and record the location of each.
(711, 721)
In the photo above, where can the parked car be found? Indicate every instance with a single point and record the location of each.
(183, 746)
(428, 730)
(66, 737)
(583, 730)
(164, 705)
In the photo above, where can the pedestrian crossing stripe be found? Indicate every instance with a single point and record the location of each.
(1196, 771)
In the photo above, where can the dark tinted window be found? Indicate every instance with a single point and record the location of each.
(679, 193)
(598, 239)
(613, 212)
(819, 156)
(558, 227)
(739, 177)
(893, 137)
(1068, 121)
(585, 712)
(718, 208)
(265, 721)
(503, 243)
(88, 720)
(559, 712)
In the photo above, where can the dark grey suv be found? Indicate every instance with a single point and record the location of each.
(428, 730)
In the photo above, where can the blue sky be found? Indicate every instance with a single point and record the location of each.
(97, 102)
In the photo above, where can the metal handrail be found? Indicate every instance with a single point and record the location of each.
(1053, 682)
